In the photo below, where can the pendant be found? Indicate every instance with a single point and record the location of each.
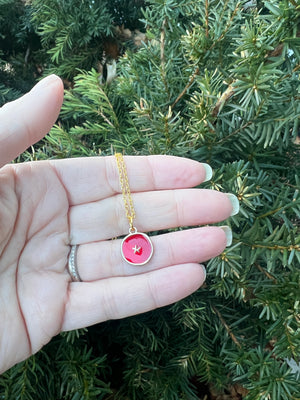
(136, 248)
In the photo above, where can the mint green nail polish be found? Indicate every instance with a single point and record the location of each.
(235, 203)
(208, 172)
(204, 270)
(228, 233)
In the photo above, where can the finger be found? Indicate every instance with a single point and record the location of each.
(154, 211)
(102, 260)
(93, 302)
(92, 179)
(28, 119)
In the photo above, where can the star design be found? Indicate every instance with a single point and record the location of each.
(136, 249)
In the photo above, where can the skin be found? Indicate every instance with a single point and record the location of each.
(47, 206)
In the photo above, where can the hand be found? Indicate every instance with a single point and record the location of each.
(47, 206)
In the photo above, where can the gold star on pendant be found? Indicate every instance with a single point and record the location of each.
(136, 249)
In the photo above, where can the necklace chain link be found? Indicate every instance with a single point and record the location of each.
(129, 208)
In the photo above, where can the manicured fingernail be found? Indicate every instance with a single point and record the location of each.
(228, 233)
(204, 271)
(46, 82)
(208, 172)
(235, 203)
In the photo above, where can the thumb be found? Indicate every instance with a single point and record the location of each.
(25, 121)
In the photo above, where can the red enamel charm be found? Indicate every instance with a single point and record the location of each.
(136, 248)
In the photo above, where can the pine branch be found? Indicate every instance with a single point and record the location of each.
(295, 69)
(188, 85)
(162, 54)
(236, 101)
(289, 248)
(268, 275)
(227, 27)
(162, 44)
(235, 132)
(223, 99)
(229, 331)
(207, 18)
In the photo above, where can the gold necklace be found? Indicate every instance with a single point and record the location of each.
(136, 247)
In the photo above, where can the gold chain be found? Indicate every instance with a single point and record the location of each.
(129, 209)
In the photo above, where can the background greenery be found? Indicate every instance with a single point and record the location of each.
(213, 80)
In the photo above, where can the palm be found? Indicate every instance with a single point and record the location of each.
(47, 206)
(35, 216)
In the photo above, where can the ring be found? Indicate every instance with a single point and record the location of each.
(72, 264)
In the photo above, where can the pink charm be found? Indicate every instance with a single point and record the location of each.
(136, 248)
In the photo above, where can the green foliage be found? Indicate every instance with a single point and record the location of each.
(39, 37)
(66, 28)
(18, 50)
(126, 12)
(217, 81)
(66, 369)
(74, 32)
(264, 376)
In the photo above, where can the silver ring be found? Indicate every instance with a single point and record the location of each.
(72, 264)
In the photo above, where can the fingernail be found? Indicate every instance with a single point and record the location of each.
(228, 234)
(208, 172)
(204, 271)
(46, 82)
(235, 203)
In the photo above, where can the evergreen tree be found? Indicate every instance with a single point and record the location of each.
(40, 37)
(19, 46)
(216, 81)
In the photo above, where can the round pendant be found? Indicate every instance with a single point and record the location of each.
(136, 248)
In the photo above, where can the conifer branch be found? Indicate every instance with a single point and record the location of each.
(273, 247)
(242, 127)
(226, 326)
(257, 110)
(268, 275)
(292, 346)
(229, 92)
(162, 54)
(294, 3)
(206, 18)
(162, 43)
(188, 85)
(295, 69)
(228, 25)
(238, 130)
(106, 119)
